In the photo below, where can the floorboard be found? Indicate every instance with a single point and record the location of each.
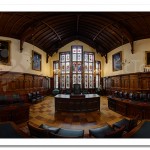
(44, 113)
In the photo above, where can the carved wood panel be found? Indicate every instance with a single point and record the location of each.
(11, 82)
(134, 82)
(125, 83)
(137, 82)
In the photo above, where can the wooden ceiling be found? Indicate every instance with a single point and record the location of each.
(104, 31)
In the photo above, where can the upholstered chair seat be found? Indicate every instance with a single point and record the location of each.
(107, 132)
(130, 124)
(125, 95)
(55, 92)
(124, 121)
(131, 96)
(49, 128)
(70, 133)
(55, 132)
(100, 132)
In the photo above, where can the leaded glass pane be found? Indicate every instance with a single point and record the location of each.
(74, 57)
(86, 67)
(67, 67)
(79, 78)
(79, 50)
(90, 58)
(79, 57)
(56, 81)
(63, 81)
(90, 81)
(74, 67)
(62, 58)
(97, 81)
(86, 81)
(85, 57)
(90, 67)
(74, 50)
(62, 67)
(74, 79)
(79, 68)
(67, 57)
(67, 81)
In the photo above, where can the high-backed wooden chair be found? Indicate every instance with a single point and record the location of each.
(37, 132)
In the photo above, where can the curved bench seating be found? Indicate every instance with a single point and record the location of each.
(107, 132)
(45, 131)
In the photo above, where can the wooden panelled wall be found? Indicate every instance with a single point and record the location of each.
(136, 82)
(22, 83)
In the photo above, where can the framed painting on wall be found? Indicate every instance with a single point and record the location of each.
(36, 61)
(117, 61)
(147, 58)
(5, 52)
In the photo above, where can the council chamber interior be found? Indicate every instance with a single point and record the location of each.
(75, 75)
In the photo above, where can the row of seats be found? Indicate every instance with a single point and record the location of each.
(45, 131)
(133, 96)
(115, 131)
(35, 97)
(10, 99)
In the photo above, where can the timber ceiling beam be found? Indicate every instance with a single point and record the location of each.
(122, 30)
(128, 35)
(28, 31)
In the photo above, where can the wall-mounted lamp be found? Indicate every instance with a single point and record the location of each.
(56, 70)
(125, 62)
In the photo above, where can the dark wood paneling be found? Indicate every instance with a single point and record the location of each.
(137, 82)
(22, 83)
(129, 108)
(16, 113)
(125, 82)
(134, 82)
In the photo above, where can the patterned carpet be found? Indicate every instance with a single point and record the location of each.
(44, 113)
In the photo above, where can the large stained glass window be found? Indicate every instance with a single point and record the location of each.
(77, 54)
(64, 70)
(88, 70)
(77, 67)
(56, 74)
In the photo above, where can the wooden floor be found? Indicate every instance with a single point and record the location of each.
(44, 113)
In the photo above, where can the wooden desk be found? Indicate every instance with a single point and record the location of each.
(77, 103)
(129, 108)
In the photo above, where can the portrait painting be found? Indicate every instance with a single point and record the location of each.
(117, 61)
(4, 52)
(36, 61)
(147, 58)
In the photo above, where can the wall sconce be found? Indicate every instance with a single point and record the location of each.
(146, 69)
(125, 62)
(56, 70)
(97, 71)
(30, 60)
